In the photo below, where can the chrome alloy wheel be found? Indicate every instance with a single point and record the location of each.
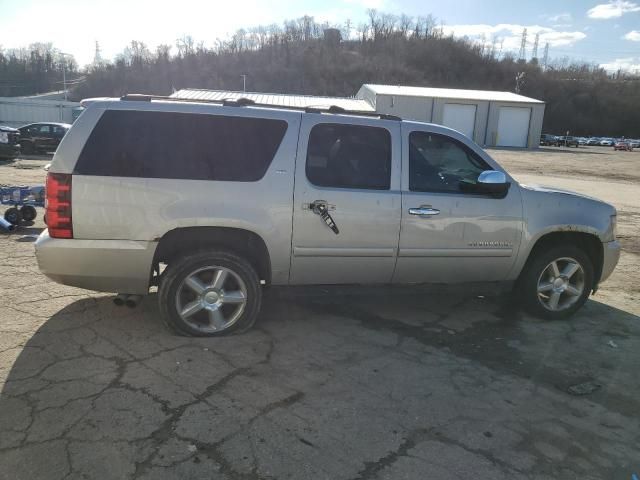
(211, 299)
(561, 284)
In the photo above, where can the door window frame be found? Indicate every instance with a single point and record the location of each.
(309, 121)
(459, 139)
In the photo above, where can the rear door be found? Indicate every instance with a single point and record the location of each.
(350, 167)
(449, 235)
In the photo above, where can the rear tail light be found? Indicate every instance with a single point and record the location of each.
(58, 205)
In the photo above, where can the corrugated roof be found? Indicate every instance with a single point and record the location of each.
(450, 93)
(276, 99)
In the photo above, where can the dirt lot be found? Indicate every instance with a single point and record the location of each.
(374, 386)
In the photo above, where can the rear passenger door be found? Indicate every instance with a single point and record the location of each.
(348, 168)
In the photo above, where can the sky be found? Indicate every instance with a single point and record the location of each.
(602, 32)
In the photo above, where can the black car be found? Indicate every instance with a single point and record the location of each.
(9, 143)
(547, 139)
(568, 142)
(42, 137)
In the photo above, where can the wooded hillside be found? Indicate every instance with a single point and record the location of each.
(298, 57)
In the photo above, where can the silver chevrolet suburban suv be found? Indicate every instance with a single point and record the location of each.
(212, 201)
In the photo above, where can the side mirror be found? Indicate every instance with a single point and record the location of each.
(490, 182)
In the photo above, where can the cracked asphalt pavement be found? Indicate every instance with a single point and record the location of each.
(376, 384)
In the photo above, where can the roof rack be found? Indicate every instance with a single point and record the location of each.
(245, 102)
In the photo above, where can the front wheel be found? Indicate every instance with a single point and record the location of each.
(557, 282)
(210, 294)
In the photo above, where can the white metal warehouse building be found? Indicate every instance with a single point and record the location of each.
(502, 119)
(490, 118)
(18, 111)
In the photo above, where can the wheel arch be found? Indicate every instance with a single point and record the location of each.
(588, 242)
(242, 242)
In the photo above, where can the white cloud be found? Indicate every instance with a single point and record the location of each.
(630, 64)
(510, 35)
(564, 17)
(613, 9)
(633, 35)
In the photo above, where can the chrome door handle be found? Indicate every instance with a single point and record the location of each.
(424, 211)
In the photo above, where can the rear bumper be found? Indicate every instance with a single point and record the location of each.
(122, 266)
(610, 257)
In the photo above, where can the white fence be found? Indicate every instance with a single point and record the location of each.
(15, 111)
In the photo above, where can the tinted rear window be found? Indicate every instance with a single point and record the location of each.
(181, 146)
(349, 156)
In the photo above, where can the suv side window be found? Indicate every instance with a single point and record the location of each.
(349, 156)
(46, 129)
(438, 163)
(184, 146)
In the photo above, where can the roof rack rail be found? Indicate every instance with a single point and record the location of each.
(243, 102)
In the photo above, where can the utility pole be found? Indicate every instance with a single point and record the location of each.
(534, 54)
(545, 57)
(244, 82)
(523, 45)
(97, 57)
(519, 81)
(64, 73)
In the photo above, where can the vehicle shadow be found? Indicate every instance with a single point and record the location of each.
(94, 372)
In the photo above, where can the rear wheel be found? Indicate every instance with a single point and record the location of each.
(12, 215)
(557, 282)
(29, 213)
(210, 294)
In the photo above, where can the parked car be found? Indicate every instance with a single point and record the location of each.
(582, 140)
(9, 143)
(607, 142)
(568, 142)
(593, 141)
(623, 145)
(548, 140)
(634, 143)
(42, 137)
(286, 196)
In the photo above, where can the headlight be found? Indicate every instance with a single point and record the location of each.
(614, 227)
(4, 137)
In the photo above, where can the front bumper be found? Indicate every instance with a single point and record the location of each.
(610, 257)
(122, 266)
(9, 150)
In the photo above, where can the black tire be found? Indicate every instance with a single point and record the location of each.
(177, 272)
(12, 215)
(528, 282)
(29, 213)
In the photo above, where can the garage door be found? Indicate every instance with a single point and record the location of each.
(513, 127)
(460, 117)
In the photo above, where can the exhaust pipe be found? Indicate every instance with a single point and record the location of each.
(132, 301)
(8, 226)
(120, 299)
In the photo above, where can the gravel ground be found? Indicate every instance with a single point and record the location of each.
(372, 386)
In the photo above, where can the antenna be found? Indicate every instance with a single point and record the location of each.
(534, 53)
(523, 45)
(545, 57)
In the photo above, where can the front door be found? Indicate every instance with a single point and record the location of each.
(448, 235)
(346, 216)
